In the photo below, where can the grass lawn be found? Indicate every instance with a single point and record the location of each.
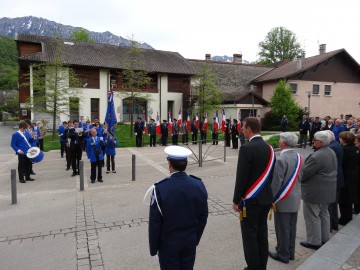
(124, 138)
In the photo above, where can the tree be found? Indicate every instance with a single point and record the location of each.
(283, 103)
(81, 35)
(205, 92)
(54, 84)
(279, 44)
(8, 64)
(135, 78)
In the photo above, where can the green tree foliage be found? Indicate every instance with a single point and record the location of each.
(8, 64)
(206, 93)
(55, 86)
(279, 44)
(283, 103)
(81, 35)
(135, 78)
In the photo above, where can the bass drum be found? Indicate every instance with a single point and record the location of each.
(35, 154)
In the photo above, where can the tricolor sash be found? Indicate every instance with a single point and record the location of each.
(290, 183)
(255, 188)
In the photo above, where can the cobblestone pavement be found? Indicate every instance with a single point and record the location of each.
(104, 226)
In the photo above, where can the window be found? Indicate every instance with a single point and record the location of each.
(95, 111)
(74, 108)
(327, 90)
(89, 78)
(293, 87)
(316, 89)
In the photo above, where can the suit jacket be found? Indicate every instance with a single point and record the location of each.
(61, 131)
(93, 149)
(339, 152)
(284, 167)
(304, 127)
(18, 142)
(318, 182)
(138, 128)
(183, 202)
(253, 159)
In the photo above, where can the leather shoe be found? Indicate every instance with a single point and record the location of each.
(100, 180)
(276, 257)
(30, 179)
(32, 173)
(22, 181)
(73, 174)
(67, 169)
(307, 245)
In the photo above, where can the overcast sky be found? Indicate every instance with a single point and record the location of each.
(194, 28)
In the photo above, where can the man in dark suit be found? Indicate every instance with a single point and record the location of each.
(138, 130)
(255, 165)
(164, 128)
(304, 127)
(194, 131)
(76, 140)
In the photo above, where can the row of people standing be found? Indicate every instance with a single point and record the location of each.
(94, 139)
(232, 132)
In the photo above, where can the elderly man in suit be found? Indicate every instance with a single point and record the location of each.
(318, 190)
(286, 190)
(252, 194)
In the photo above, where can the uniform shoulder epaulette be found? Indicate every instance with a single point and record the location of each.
(193, 176)
(162, 181)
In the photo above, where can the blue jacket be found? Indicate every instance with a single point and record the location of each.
(337, 130)
(93, 149)
(110, 143)
(61, 130)
(19, 143)
(184, 211)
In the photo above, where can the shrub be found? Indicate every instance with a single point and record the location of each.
(274, 141)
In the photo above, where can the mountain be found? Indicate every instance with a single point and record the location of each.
(43, 27)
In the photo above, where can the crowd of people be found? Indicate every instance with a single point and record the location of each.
(95, 139)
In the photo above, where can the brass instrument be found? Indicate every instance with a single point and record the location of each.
(79, 131)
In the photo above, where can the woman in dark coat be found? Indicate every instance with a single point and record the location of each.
(349, 193)
(357, 205)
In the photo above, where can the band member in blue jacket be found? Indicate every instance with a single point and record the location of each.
(110, 151)
(95, 155)
(178, 213)
(61, 131)
(21, 145)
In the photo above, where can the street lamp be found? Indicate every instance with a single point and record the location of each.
(309, 96)
(252, 99)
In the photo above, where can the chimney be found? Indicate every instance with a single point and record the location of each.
(322, 48)
(237, 58)
(299, 62)
(303, 53)
(208, 57)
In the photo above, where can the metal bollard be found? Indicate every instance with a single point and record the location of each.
(133, 168)
(81, 170)
(200, 153)
(224, 152)
(13, 187)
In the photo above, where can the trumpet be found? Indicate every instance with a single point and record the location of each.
(79, 131)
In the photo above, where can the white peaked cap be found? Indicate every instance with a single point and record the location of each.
(177, 152)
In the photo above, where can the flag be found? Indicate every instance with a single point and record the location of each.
(188, 123)
(170, 122)
(110, 117)
(216, 123)
(197, 120)
(144, 128)
(158, 128)
(180, 118)
(239, 122)
(223, 121)
(205, 126)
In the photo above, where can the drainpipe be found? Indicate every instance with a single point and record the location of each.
(160, 76)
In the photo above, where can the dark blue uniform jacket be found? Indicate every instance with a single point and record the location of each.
(183, 203)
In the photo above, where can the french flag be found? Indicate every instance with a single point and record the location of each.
(239, 122)
(170, 121)
(197, 120)
(223, 121)
(180, 118)
(216, 123)
(158, 130)
(188, 123)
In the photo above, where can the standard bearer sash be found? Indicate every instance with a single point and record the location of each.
(287, 188)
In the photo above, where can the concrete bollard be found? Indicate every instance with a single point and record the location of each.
(81, 171)
(13, 187)
(133, 167)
